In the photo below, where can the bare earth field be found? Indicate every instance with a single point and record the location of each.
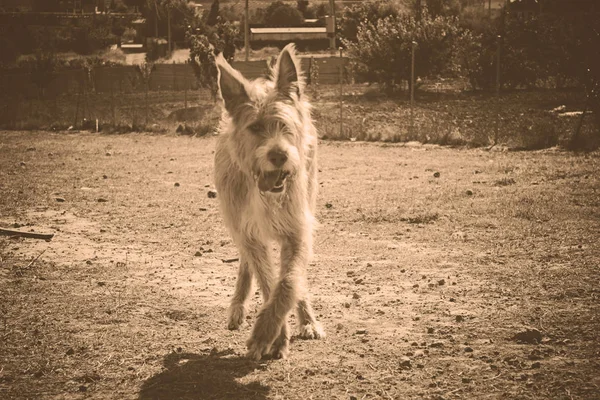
(480, 282)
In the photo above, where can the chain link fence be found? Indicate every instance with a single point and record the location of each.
(122, 99)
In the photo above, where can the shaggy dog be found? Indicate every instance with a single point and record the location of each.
(266, 177)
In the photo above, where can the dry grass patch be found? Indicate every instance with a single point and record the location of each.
(421, 287)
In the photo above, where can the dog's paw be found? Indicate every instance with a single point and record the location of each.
(312, 331)
(281, 346)
(237, 313)
(280, 350)
(265, 332)
(256, 349)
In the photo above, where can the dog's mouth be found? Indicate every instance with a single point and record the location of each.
(272, 181)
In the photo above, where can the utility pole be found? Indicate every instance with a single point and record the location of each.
(332, 11)
(412, 72)
(341, 95)
(169, 29)
(497, 127)
(412, 88)
(498, 47)
(247, 31)
(156, 19)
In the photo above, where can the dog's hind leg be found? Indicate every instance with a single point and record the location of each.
(237, 309)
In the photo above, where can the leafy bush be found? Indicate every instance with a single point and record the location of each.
(467, 57)
(593, 93)
(539, 133)
(383, 50)
(91, 36)
(361, 13)
(9, 51)
(156, 48)
(522, 53)
(84, 36)
(591, 82)
(43, 70)
(546, 50)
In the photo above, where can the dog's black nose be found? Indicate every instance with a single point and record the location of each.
(277, 157)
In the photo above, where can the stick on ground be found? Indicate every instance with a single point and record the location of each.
(35, 259)
(32, 235)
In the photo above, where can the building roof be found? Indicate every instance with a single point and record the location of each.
(299, 29)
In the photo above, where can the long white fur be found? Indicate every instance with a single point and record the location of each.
(255, 219)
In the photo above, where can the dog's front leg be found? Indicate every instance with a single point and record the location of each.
(270, 329)
(237, 309)
(269, 333)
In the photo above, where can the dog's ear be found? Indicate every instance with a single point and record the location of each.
(287, 73)
(232, 85)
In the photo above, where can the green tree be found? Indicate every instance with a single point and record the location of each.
(118, 6)
(257, 16)
(310, 13)
(443, 7)
(302, 6)
(207, 41)
(213, 14)
(156, 13)
(321, 10)
(229, 13)
(281, 14)
(46, 5)
(202, 58)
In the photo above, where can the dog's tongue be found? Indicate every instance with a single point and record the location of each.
(267, 180)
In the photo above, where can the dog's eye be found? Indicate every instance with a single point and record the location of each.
(256, 128)
(288, 132)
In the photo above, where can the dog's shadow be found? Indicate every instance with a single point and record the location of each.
(211, 376)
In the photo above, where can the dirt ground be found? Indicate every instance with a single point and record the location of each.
(439, 273)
